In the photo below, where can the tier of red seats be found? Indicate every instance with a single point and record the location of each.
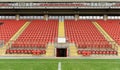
(84, 34)
(38, 34)
(90, 52)
(60, 5)
(28, 44)
(112, 27)
(9, 28)
(99, 45)
(35, 52)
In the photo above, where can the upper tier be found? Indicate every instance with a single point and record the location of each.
(57, 0)
(38, 33)
(83, 32)
(9, 28)
(112, 27)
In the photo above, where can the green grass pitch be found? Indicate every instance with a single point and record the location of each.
(66, 64)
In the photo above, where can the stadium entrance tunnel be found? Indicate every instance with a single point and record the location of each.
(61, 52)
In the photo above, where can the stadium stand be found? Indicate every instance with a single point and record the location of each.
(47, 27)
(9, 28)
(87, 38)
(112, 28)
(36, 37)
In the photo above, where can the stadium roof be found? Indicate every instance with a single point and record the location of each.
(59, 0)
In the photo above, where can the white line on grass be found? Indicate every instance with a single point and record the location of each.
(59, 66)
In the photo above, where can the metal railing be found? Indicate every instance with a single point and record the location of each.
(1, 43)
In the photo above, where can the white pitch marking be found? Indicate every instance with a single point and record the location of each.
(59, 66)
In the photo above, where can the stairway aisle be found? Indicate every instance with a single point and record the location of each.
(61, 30)
(19, 32)
(73, 50)
(50, 50)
